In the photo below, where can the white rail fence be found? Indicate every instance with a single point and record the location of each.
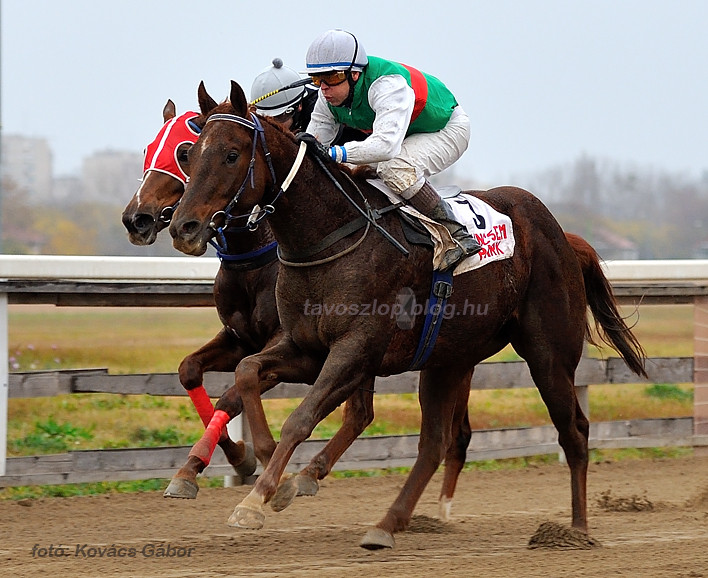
(175, 281)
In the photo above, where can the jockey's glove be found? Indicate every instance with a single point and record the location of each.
(336, 153)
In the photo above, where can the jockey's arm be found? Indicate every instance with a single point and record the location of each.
(392, 101)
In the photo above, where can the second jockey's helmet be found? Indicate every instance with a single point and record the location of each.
(274, 78)
(335, 50)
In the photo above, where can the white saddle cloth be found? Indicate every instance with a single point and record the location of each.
(492, 229)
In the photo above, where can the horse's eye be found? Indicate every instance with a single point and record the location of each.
(231, 158)
(183, 155)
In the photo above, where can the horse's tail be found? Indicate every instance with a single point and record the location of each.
(609, 324)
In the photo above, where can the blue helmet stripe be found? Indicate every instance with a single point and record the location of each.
(329, 64)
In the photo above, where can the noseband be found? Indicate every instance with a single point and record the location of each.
(252, 220)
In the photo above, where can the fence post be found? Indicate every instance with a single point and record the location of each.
(700, 365)
(4, 380)
(235, 430)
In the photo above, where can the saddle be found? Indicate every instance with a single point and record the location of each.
(493, 230)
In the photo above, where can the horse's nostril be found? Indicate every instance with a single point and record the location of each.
(143, 222)
(190, 227)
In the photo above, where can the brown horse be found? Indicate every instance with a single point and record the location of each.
(244, 294)
(536, 302)
(244, 287)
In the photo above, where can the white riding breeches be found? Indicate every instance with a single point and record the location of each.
(425, 154)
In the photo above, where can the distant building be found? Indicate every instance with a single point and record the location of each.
(67, 188)
(111, 176)
(27, 161)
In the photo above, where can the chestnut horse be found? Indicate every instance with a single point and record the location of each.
(536, 299)
(244, 294)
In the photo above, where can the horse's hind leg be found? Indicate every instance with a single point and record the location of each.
(551, 341)
(439, 394)
(456, 453)
(558, 393)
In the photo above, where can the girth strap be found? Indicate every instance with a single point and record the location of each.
(440, 291)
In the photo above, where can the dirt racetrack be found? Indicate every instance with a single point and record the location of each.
(649, 516)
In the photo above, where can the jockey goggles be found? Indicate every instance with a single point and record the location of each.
(333, 78)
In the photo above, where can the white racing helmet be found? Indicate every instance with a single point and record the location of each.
(274, 78)
(335, 50)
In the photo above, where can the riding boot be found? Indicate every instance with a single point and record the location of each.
(428, 202)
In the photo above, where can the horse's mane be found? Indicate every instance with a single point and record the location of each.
(276, 125)
(358, 172)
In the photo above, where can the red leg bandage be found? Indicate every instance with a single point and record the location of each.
(202, 403)
(204, 448)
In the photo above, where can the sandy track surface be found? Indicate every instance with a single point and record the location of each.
(649, 516)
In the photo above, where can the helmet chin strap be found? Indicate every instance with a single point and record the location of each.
(350, 97)
(350, 80)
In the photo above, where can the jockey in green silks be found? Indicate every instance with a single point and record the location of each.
(416, 127)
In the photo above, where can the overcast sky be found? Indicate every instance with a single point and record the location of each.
(543, 81)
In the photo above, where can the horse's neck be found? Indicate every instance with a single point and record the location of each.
(247, 241)
(312, 208)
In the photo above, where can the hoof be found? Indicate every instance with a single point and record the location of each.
(376, 539)
(249, 463)
(285, 494)
(247, 518)
(181, 488)
(307, 486)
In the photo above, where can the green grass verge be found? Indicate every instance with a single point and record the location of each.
(156, 484)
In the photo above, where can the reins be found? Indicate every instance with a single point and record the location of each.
(370, 215)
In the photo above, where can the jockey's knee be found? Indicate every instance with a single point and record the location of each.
(401, 176)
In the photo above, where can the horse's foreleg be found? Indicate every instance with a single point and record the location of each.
(343, 373)
(358, 413)
(259, 373)
(184, 483)
(222, 353)
(440, 390)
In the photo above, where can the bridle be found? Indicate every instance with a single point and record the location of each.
(258, 136)
(368, 215)
(257, 214)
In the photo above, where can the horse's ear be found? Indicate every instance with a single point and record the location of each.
(238, 99)
(206, 102)
(170, 111)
